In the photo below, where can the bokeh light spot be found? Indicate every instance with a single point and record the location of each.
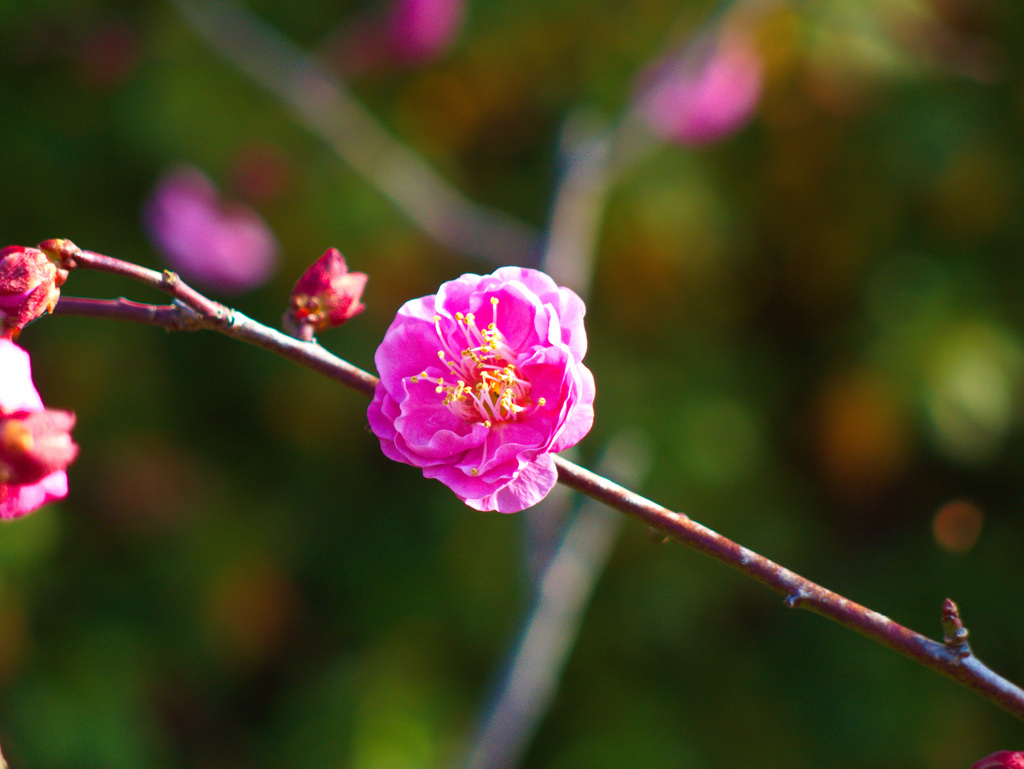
(957, 525)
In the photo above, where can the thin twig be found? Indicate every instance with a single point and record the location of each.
(165, 281)
(323, 104)
(955, 661)
(799, 591)
(178, 317)
(193, 311)
(170, 316)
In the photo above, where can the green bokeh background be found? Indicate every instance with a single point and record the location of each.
(817, 325)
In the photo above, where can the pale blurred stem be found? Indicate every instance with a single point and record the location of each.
(530, 677)
(595, 158)
(563, 574)
(322, 103)
(192, 311)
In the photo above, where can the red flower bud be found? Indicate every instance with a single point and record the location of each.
(34, 444)
(1004, 759)
(29, 287)
(325, 296)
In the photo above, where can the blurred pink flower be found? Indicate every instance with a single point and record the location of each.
(419, 30)
(411, 33)
(707, 92)
(35, 442)
(29, 287)
(221, 245)
(1004, 759)
(482, 382)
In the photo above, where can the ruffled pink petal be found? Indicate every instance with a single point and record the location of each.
(530, 486)
(431, 433)
(1004, 759)
(459, 478)
(410, 345)
(17, 393)
(16, 501)
(577, 421)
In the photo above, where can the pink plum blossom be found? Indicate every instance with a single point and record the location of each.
(1004, 759)
(409, 34)
(418, 30)
(35, 442)
(482, 382)
(706, 93)
(217, 244)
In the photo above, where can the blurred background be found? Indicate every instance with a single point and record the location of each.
(811, 312)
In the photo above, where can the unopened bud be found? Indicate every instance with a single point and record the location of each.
(325, 296)
(29, 287)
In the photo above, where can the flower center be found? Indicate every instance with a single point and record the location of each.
(483, 384)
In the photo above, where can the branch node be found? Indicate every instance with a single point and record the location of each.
(188, 318)
(170, 279)
(954, 634)
(62, 251)
(793, 600)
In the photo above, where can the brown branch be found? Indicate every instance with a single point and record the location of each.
(952, 658)
(949, 658)
(169, 316)
(165, 281)
(181, 317)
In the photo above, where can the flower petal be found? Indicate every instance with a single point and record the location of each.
(17, 392)
(16, 501)
(528, 488)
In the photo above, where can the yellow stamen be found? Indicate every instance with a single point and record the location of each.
(485, 386)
